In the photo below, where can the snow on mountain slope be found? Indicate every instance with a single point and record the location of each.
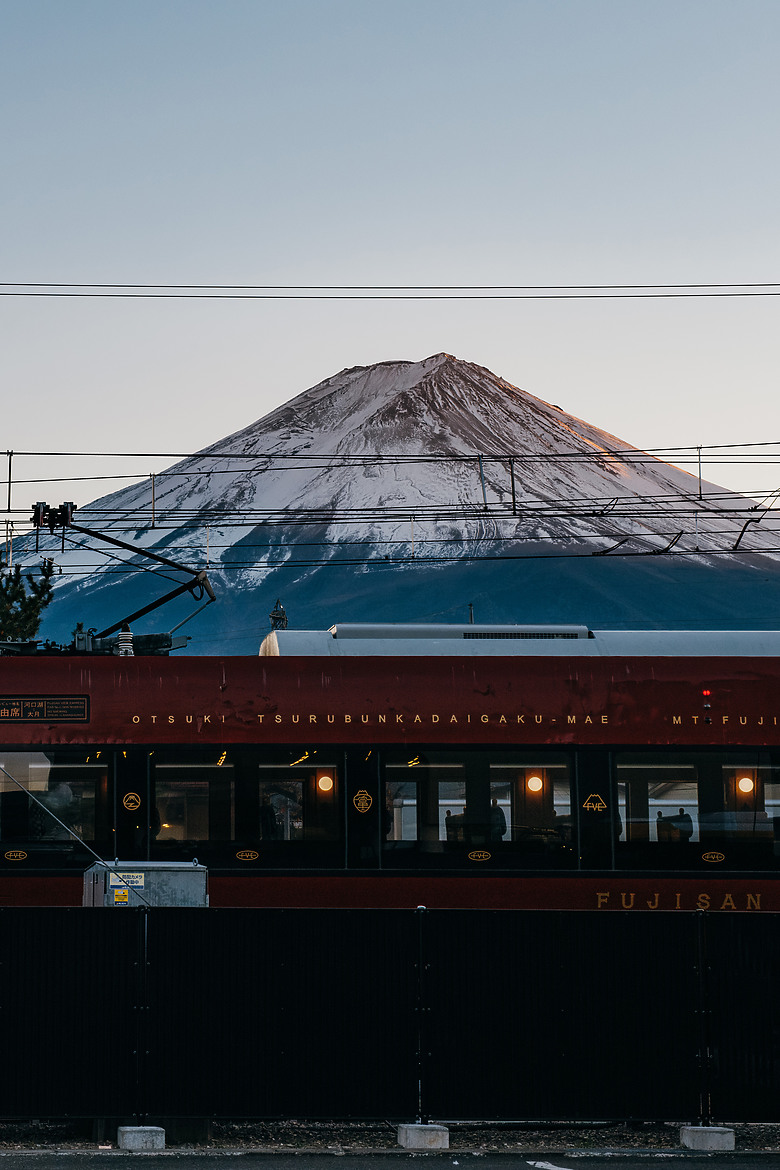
(438, 459)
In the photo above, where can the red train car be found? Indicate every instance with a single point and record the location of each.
(474, 766)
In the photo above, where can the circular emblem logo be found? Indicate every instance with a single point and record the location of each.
(479, 855)
(247, 855)
(362, 801)
(132, 801)
(15, 855)
(713, 856)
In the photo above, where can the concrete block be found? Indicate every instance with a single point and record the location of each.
(140, 1137)
(706, 1137)
(424, 1137)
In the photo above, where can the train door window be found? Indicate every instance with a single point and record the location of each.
(70, 791)
(292, 800)
(506, 807)
(298, 804)
(192, 807)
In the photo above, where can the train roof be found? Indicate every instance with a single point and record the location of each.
(479, 641)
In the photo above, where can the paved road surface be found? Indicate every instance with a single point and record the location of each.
(400, 1160)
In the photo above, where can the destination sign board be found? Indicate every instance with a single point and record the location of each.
(44, 709)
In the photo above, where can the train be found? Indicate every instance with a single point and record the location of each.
(394, 766)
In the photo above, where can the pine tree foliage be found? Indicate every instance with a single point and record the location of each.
(22, 602)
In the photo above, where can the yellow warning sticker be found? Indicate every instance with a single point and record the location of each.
(121, 896)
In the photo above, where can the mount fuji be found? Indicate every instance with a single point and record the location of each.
(410, 491)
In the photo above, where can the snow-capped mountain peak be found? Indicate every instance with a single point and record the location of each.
(435, 464)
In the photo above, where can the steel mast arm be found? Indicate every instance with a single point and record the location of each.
(200, 582)
(134, 549)
(43, 515)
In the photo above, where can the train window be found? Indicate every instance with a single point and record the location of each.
(677, 808)
(443, 806)
(281, 810)
(182, 808)
(247, 805)
(400, 810)
(531, 801)
(297, 802)
(657, 799)
(68, 791)
(192, 802)
(452, 810)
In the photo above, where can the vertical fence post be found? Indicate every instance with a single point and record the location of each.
(141, 1103)
(703, 1015)
(421, 1009)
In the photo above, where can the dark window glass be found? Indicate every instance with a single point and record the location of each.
(442, 806)
(682, 809)
(245, 806)
(68, 791)
(298, 802)
(193, 803)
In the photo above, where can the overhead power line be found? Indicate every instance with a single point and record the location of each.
(389, 562)
(472, 513)
(720, 505)
(184, 550)
(410, 292)
(139, 477)
(633, 453)
(387, 287)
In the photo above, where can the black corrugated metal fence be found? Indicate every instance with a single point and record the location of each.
(446, 1014)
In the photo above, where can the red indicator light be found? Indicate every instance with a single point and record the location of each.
(706, 692)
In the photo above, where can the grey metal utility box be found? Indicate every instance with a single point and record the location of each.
(146, 883)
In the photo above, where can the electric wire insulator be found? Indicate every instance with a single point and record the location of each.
(124, 644)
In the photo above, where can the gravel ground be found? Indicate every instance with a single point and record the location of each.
(362, 1136)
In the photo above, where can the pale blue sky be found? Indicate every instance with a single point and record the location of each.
(410, 142)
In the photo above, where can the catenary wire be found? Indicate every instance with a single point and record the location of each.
(759, 461)
(432, 562)
(188, 549)
(693, 448)
(386, 287)
(384, 292)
